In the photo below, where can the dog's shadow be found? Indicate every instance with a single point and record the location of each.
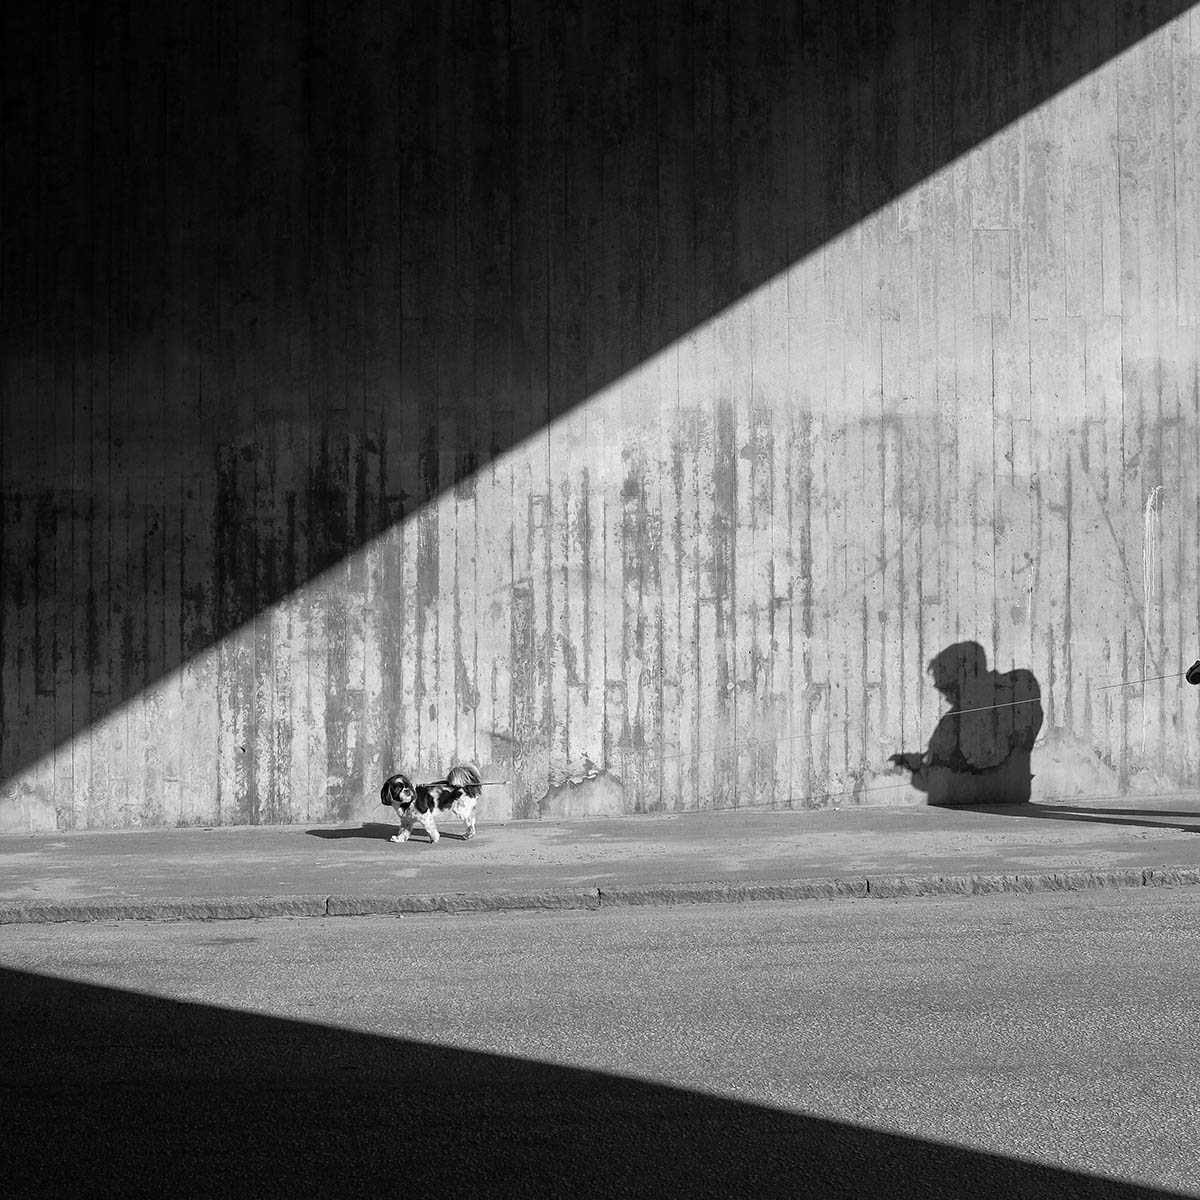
(379, 831)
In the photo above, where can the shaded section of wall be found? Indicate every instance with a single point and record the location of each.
(301, 307)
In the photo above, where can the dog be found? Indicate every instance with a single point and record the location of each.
(419, 804)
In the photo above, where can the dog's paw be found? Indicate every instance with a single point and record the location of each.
(399, 837)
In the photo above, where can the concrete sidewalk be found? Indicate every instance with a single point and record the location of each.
(337, 870)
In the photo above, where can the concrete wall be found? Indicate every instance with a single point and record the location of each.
(644, 391)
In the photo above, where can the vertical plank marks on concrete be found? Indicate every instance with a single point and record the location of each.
(416, 234)
(495, 524)
(775, 400)
(750, 223)
(710, 731)
(1089, 592)
(666, 258)
(499, 519)
(19, 378)
(177, 410)
(123, 543)
(98, 648)
(838, 479)
(406, 487)
(375, 122)
(723, 538)
(426, 567)
(250, 651)
(818, 45)
(533, 503)
(287, 737)
(202, 351)
(695, 766)
(66, 173)
(904, 495)
(455, 72)
(357, 140)
(645, 341)
(666, 487)
(698, 372)
(888, 406)
(1105, 474)
(750, 170)
(604, 329)
(148, 403)
(546, 47)
(884, 634)
(853, 350)
(76, 578)
(1186, 76)
(674, 71)
(1185, 80)
(744, 551)
(1163, 423)
(939, 576)
(626, 565)
(1042, 218)
(780, 558)
(363, 51)
(872, 632)
(1139, 386)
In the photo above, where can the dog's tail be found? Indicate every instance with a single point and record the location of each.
(466, 778)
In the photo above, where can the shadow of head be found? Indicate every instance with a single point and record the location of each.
(188, 1098)
(958, 669)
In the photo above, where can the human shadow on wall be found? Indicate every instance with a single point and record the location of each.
(293, 271)
(979, 753)
(111, 1092)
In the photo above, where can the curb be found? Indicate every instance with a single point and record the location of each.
(881, 887)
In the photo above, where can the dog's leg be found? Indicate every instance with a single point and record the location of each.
(464, 809)
(405, 829)
(430, 825)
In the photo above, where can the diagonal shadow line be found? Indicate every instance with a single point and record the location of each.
(274, 293)
(107, 1091)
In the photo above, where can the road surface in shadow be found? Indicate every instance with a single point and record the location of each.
(952, 1016)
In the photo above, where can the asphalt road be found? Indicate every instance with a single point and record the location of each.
(976, 1047)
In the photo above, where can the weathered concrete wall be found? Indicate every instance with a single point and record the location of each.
(641, 389)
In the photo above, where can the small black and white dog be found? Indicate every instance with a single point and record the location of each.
(416, 805)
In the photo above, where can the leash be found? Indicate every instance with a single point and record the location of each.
(1192, 675)
(481, 783)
